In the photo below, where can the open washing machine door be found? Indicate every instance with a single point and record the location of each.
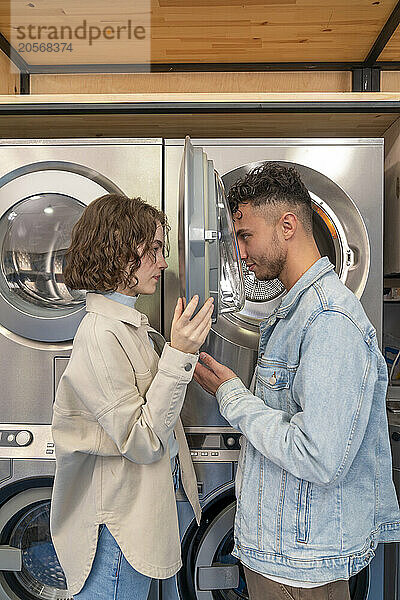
(209, 260)
(39, 205)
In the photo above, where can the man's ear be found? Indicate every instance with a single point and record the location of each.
(288, 223)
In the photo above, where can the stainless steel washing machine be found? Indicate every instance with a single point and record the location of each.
(44, 187)
(345, 181)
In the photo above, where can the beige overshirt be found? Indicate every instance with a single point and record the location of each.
(116, 406)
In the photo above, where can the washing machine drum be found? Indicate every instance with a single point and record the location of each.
(25, 526)
(339, 232)
(39, 205)
(35, 235)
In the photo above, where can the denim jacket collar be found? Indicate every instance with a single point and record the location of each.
(289, 302)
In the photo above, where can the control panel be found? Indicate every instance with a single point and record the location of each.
(26, 441)
(219, 444)
(208, 444)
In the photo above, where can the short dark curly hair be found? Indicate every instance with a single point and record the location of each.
(272, 184)
(106, 239)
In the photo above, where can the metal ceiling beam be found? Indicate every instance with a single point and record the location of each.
(18, 62)
(13, 55)
(195, 67)
(385, 65)
(387, 31)
(79, 108)
(208, 67)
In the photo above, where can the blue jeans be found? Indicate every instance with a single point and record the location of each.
(111, 576)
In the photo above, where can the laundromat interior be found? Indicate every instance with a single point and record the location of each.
(98, 97)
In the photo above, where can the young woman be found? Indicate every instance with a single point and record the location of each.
(116, 423)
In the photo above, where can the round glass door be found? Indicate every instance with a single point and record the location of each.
(208, 253)
(39, 205)
(41, 575)
(25, 525)
(35, 235)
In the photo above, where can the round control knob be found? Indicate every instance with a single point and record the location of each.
(230, 441)
(396, 436)
(24, 438)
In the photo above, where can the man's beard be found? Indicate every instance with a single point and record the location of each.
(272, 264)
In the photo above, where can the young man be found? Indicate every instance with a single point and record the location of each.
(314, 483)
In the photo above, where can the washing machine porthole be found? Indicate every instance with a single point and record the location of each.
(35, 234)
(41, 576)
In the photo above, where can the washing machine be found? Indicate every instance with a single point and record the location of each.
(345, 181)
(44, 187)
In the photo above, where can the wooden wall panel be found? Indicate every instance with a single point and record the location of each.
(9, 81)
(148, 83)
(390, 81)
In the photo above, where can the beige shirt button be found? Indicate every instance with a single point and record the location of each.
(272, 380)
(188, 366)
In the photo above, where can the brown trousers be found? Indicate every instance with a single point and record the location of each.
(262, 588)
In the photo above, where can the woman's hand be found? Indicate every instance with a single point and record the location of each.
(188, 334)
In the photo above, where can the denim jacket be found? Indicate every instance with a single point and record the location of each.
(314, 486)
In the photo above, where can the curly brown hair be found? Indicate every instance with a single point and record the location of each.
(271, 184)
(104, 249)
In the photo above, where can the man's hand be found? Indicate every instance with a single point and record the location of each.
(211, 374)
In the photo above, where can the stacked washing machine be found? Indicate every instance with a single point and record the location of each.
(44, 186)
(344, 178)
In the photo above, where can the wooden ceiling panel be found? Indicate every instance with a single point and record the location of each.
(185, 31)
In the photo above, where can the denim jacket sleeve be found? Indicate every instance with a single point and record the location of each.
(333, 385)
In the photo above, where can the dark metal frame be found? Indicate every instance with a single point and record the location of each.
(19, 63)
(181, 108)
(209, 67)
(365, 78)
(387, 31)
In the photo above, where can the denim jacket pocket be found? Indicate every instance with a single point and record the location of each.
(273, 377)
(303, 511)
